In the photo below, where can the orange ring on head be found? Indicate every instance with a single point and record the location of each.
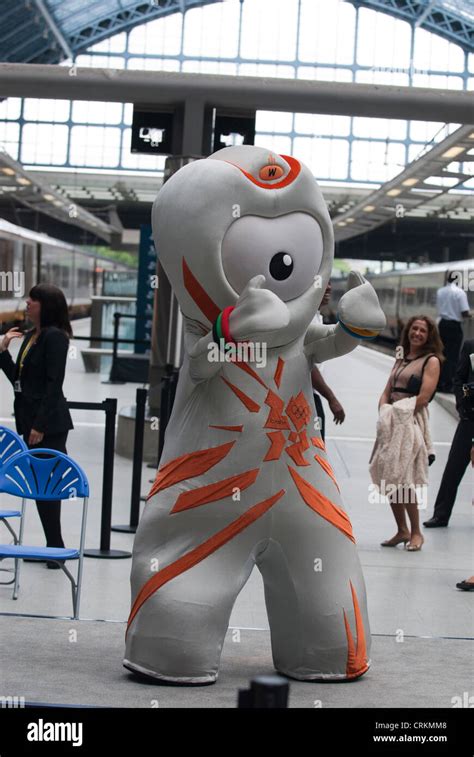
(295, 168)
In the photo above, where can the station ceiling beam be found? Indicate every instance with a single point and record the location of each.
(260, 93)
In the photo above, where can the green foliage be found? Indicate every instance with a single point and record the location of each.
(120, 256)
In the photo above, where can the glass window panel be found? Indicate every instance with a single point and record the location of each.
(372, 76)
(97, 146)
(210, 67)
(379, 127)
(134, 160)
(100, 61)
(306, 123)
(269, 29)
(153, 64)
(115, 44)
(266, 69)
(327, 158)
(382, 40)
(277, 143)
(9, 138)
(435, 53)
(376, 161)
(424, 131)
(327, 31)
(212, 31)
(128, 113)
(470, 83)
(268, 120)
(46, 110)
(159, 37)
(324, 73)
(10, 108)
(437, 80)
(470, 62)
(44, 143)
(91, 112)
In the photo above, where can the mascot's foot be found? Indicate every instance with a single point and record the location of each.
(326, 677)
(168, 680)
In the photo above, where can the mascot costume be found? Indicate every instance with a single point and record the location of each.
(246, 241)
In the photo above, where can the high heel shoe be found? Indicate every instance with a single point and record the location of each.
(394, 541)
(414, 547)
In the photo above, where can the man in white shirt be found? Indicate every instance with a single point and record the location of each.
(452, 307)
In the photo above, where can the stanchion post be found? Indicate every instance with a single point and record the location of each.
(141, 396)
(110, 407)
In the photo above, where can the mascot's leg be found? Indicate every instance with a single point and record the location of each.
(177, 632)
(315, 596)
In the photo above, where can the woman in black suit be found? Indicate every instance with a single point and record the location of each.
(41, 411)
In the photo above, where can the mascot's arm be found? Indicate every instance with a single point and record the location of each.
(258, 314)
(201, 351)
(360, 317)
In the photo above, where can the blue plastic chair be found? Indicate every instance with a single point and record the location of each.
(45, 474)
(10, 444)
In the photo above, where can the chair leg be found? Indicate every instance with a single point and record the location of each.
(15, 537)
(75, 608)
(16, 588)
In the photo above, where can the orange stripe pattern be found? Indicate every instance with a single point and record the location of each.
(196, 555)
(279, 371)
(322, 505)
(206, 305)
(326, 467)
(188, 466)
(356, 655)
(317, 442)
(228, 428)
(245, 367)
(244, 398)
(213, 492)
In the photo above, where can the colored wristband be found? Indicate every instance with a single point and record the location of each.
(225, 324)
(358, 333)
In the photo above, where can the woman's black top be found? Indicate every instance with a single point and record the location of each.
(39, 399)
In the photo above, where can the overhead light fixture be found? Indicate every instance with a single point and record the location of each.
(350, 220)
(48, 197)
(394, 192)
(410, 182)
(453, 152)
(471, 136)
(341, 223)
(368, 208)
(23, 181)
(57, 202)
(7, 171)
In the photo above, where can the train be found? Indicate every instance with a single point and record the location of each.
(403, 294)
(28, 257)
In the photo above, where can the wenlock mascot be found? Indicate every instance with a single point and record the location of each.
(246, 241)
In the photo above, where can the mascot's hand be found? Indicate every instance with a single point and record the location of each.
(257, 313)
(360, 307)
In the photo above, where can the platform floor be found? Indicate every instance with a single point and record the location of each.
(422, 625)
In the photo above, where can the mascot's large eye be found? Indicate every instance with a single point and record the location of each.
(287, 249)
(281, 266)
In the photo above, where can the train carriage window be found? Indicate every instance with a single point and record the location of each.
(431, 297)
(420, 295)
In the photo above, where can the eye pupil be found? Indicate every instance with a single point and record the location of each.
(281, 266)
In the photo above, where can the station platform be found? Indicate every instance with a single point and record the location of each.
(422, 625)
